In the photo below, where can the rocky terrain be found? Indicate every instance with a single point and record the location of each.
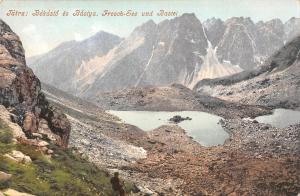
(248, 163)
(275, 84)
(174, 98)
(182, 50)
(167, 161)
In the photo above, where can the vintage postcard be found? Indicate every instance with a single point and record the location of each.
(140, 98)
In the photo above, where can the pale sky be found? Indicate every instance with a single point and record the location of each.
(41, 34)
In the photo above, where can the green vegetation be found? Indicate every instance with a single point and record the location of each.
(64, 174)
(5, 139)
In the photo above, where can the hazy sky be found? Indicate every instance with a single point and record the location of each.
(40, 34)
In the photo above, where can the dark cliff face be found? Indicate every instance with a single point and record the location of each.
(20, 90)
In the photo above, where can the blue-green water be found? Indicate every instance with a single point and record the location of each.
(203, 127)
(281, 118)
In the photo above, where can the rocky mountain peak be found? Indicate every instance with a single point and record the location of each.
(292, 29)
(215, 29)
(146, 28)
(275, 22)
(212, 21)
(187, 20)
(275, 25)
(101, 36)
(12, 51)
(71, 57)
(285, 57)
(191, 17)
(239, 20)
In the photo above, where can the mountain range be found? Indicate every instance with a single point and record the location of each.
(180, 50)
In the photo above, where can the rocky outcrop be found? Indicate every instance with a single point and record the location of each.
(4, 177)
(18, 156)
(12, 192)
(7, 118)
(20, 90)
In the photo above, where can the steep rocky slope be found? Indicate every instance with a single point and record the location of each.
(274, 84)
(20, 92)
(291, 29)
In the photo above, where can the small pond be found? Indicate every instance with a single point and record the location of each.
(281, 118)
(203, 127)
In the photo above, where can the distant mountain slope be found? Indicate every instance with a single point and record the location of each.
(277, 83)
(181, 50)
(59, 66)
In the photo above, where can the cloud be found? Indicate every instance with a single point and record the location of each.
(36, 44)
(31, 28)
(78, 36)
(95, 29)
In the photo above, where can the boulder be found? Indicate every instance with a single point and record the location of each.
(5, 117)
(29, 123)
(85, 142)
(4, 177)
(178, 119)
(44, 130)
(42, 144)
(265, 127)
(49, 151)
(12, 192)
(18, 156)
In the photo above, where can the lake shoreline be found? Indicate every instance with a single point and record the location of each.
(175, 98)
(203, 127)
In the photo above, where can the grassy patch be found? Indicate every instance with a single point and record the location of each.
(5, 134)
(5, 139)
(64, 174)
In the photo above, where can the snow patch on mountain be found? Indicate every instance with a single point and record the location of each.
(211, 67)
